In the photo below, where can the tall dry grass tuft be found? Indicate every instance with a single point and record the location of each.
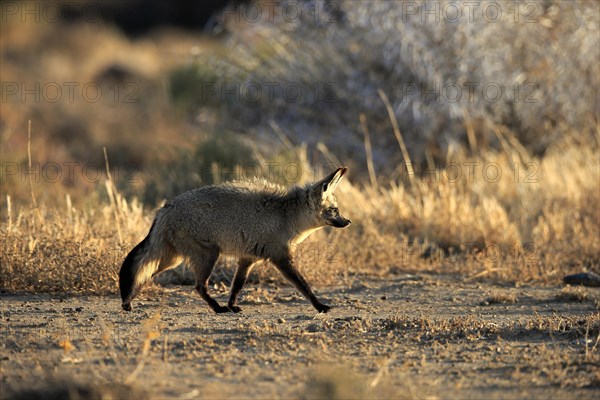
(72, 251)
(532, 221)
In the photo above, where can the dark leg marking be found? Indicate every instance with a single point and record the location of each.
(287, 268)
(239, 279)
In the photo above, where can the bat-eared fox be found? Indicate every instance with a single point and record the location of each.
(252, 219)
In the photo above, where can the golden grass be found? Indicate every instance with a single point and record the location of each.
(487, 214)
(576, 294)
(510, 230)
(501, 298)
(425, 328)
(70, 250)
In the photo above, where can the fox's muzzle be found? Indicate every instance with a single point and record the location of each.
(340, 222)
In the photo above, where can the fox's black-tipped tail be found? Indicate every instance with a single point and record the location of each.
(127, 274)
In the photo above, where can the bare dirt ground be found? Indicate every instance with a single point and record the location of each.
(425, 336)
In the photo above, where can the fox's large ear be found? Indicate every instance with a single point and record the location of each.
(329, 183)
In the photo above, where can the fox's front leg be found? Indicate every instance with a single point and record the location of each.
(289, 270)
(240, 277)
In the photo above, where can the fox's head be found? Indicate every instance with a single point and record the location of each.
(323, 202)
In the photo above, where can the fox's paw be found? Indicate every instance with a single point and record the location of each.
(126, 306)
(322, 308)
(234, 309)
(221, 310)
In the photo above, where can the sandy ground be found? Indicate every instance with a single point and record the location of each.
(408, 336)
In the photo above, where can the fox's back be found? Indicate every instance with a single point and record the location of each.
(238, 217)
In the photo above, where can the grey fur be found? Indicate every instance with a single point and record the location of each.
(251, 220)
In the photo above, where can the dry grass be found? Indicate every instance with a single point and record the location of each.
(501, 298)
(69, 250)
(361, 47)
(512, 231)
(430, 329)
(576, 294)
(536, 222)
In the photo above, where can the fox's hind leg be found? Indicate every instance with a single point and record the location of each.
(240, 277)
(203, 262)
(289, 270)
